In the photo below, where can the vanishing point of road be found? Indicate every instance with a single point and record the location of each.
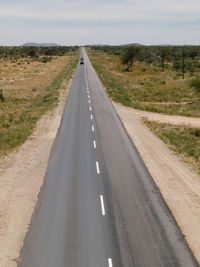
(99, 206)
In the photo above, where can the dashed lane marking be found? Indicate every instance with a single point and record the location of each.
(97, 167)
(95, 145)
(102, 206)
(110, 262)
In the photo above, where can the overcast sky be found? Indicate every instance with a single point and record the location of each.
(82, 22)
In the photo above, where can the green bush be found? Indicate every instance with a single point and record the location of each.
(45, 59)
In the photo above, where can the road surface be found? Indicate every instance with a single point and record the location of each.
(98, 205)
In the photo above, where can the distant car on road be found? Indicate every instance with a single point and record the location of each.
(81, 60)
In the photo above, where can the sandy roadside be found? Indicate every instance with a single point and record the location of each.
(22, 174)
(178, 183)
(171, 119)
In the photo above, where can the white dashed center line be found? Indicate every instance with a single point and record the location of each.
(102, 206)
(92, 128)
(90, 108)
(89, 101)
(94, 142)
(110, 262)
(91, 117)
(97, 167)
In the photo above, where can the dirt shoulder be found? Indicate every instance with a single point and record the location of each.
(171, 119)
(178, 183)
(22, 174)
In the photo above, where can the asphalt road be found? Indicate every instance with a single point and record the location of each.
(98, 205)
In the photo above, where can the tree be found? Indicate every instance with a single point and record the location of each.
(193, 53)
(183, 65)
(128, 56)
(32, 52)
(163, 55)
(149, 59)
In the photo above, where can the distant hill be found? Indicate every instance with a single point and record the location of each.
(133, 44)
(97, 45)
(41, 44)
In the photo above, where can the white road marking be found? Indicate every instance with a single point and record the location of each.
(88, 96)
(91, 117)
(92, 128)
(102, 206)
(90, 108)
(110, 262)
(97, 167)
(89, 101)
(94, 142)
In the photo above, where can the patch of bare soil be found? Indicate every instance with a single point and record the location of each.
(22, 174)
(162, 118)
(178, 183)
(172, 103)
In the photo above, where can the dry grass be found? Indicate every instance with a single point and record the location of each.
(148, 88)
(18, 78)
(30, 88)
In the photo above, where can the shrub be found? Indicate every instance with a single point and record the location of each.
(45, 59)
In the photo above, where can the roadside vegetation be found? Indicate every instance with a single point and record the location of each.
(157, 79)
(30, 88)
(16, 52)
(184, 141)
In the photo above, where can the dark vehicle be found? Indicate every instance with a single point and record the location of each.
(81, 60)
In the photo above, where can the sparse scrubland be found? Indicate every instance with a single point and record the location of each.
(30, 79)
(149, 85)
(153, 81)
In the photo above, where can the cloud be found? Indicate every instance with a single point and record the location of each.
(116, 11)
(134, 20)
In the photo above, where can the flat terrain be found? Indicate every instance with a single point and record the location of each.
(99, 205)
(110, 212)
(146, 88)
(158, 96)
(22, 174)
(22, 168)
(30, 88)
(183, 140)
(178, 183)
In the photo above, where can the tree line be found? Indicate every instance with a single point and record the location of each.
(180, 58)
(15, 52)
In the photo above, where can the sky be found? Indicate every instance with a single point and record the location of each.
(82, 22)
